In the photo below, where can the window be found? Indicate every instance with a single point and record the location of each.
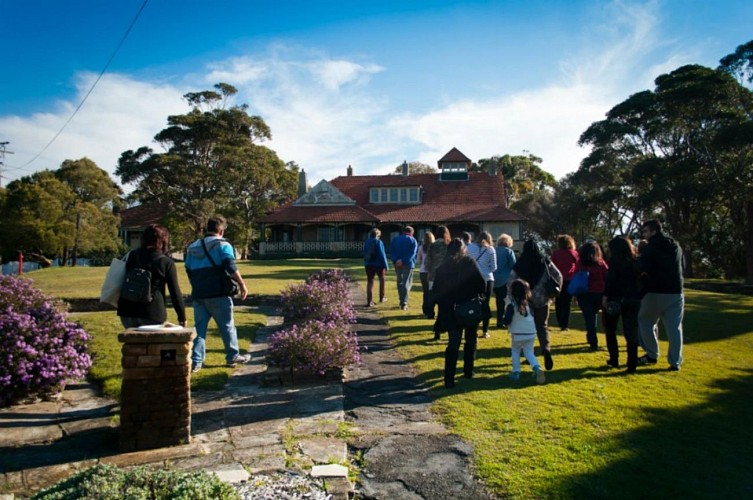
(406, 195)
(330, 234)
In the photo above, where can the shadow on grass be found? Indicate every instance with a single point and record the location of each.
(700, 451)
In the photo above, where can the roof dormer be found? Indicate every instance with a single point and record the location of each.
(454, 166)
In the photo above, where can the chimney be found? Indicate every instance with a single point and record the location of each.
(350, 171)
(302, 183)
(493, 167)
(405, 168)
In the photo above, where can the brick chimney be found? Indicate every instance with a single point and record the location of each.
(404, 167)
(302, 183)
(493, 166)
(350, 171)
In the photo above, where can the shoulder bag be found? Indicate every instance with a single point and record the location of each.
(470, 313)
(228, 286)
(116, 273)
(551, 285)
(579, 284)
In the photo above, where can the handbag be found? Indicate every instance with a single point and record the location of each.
(551, 285)
(116, 273)
(579, 284)
(228, 286)
(470, 313)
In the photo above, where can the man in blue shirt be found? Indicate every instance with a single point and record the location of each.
(403, 254)
(207, 259)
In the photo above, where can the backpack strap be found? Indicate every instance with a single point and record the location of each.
(206, 251)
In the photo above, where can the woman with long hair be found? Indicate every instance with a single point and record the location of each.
(622, 289)
(592, 261)
(565, 258)
(457, 281)
(487, 263)
(152, 256)
(535, 267)
(505, 261)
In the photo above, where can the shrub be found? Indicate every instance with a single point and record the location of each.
(318, 300)
(314, 345)
(39, 348)
(328, 276)
(107, 482)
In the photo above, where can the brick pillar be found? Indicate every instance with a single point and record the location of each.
(155, 399)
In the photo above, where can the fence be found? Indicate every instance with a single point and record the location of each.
(302, 248)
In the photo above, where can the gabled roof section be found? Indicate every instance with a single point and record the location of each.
(324, 194)
(454, 155)
(141, 216)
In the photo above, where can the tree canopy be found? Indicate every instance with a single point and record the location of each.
(212, 163)
(64, 214)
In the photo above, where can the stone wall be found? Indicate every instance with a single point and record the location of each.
(155, 395)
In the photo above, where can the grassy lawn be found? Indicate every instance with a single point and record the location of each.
(589, 432)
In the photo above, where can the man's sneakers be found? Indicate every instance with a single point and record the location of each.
(239, 359)
(196, 368)
(646, 360)
(515, 376)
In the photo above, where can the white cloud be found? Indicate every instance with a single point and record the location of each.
(120, 114)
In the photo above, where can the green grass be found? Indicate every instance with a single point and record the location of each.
(594, 432)
(589, 432)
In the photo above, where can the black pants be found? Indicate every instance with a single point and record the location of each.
(562, 306)
(500, 293)
(453, 350)
(629, 315)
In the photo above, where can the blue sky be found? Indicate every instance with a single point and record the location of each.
(367, 84)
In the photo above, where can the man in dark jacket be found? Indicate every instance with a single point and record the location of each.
(660, 265)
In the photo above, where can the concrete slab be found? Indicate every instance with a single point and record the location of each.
(230, 473)
(329, 470)
(323, 450)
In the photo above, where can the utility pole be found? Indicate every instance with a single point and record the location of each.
(3, 152)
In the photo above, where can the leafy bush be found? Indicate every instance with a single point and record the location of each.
(314, 345)
(39, 348)
(107, 482)
(323, 300)
(320, 310)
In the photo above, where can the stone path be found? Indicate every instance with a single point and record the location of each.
(378, 420)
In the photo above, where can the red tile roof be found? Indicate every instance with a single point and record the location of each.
(482, 198)
(141, 216)
(454, 155)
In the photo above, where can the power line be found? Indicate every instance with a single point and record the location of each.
(91, 89)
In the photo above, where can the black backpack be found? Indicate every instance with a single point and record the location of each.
(137, 286)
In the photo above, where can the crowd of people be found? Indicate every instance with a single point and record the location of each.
(637, 285)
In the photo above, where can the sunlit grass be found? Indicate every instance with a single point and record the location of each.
(590, 432)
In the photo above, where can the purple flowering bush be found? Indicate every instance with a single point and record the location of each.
(39, 348)
(324, 300)
(319, 311)
(314, 345)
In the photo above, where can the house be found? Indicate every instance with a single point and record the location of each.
(335, 217)
(134, 220)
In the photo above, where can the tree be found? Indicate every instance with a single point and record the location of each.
(63, 214)
(658, 153)
(95, 196)
(210, 165)
(416, 167)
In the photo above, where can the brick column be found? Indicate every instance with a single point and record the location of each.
(155, 399)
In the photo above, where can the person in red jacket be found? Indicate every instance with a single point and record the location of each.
(566, 259)
(592, 261)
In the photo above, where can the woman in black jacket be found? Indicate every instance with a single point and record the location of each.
(457, 280)
(622, 299)
(152, 257)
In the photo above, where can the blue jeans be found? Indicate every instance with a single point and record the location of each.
(404, 277)
(590, 304)
(670, 307)
(221, 310)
